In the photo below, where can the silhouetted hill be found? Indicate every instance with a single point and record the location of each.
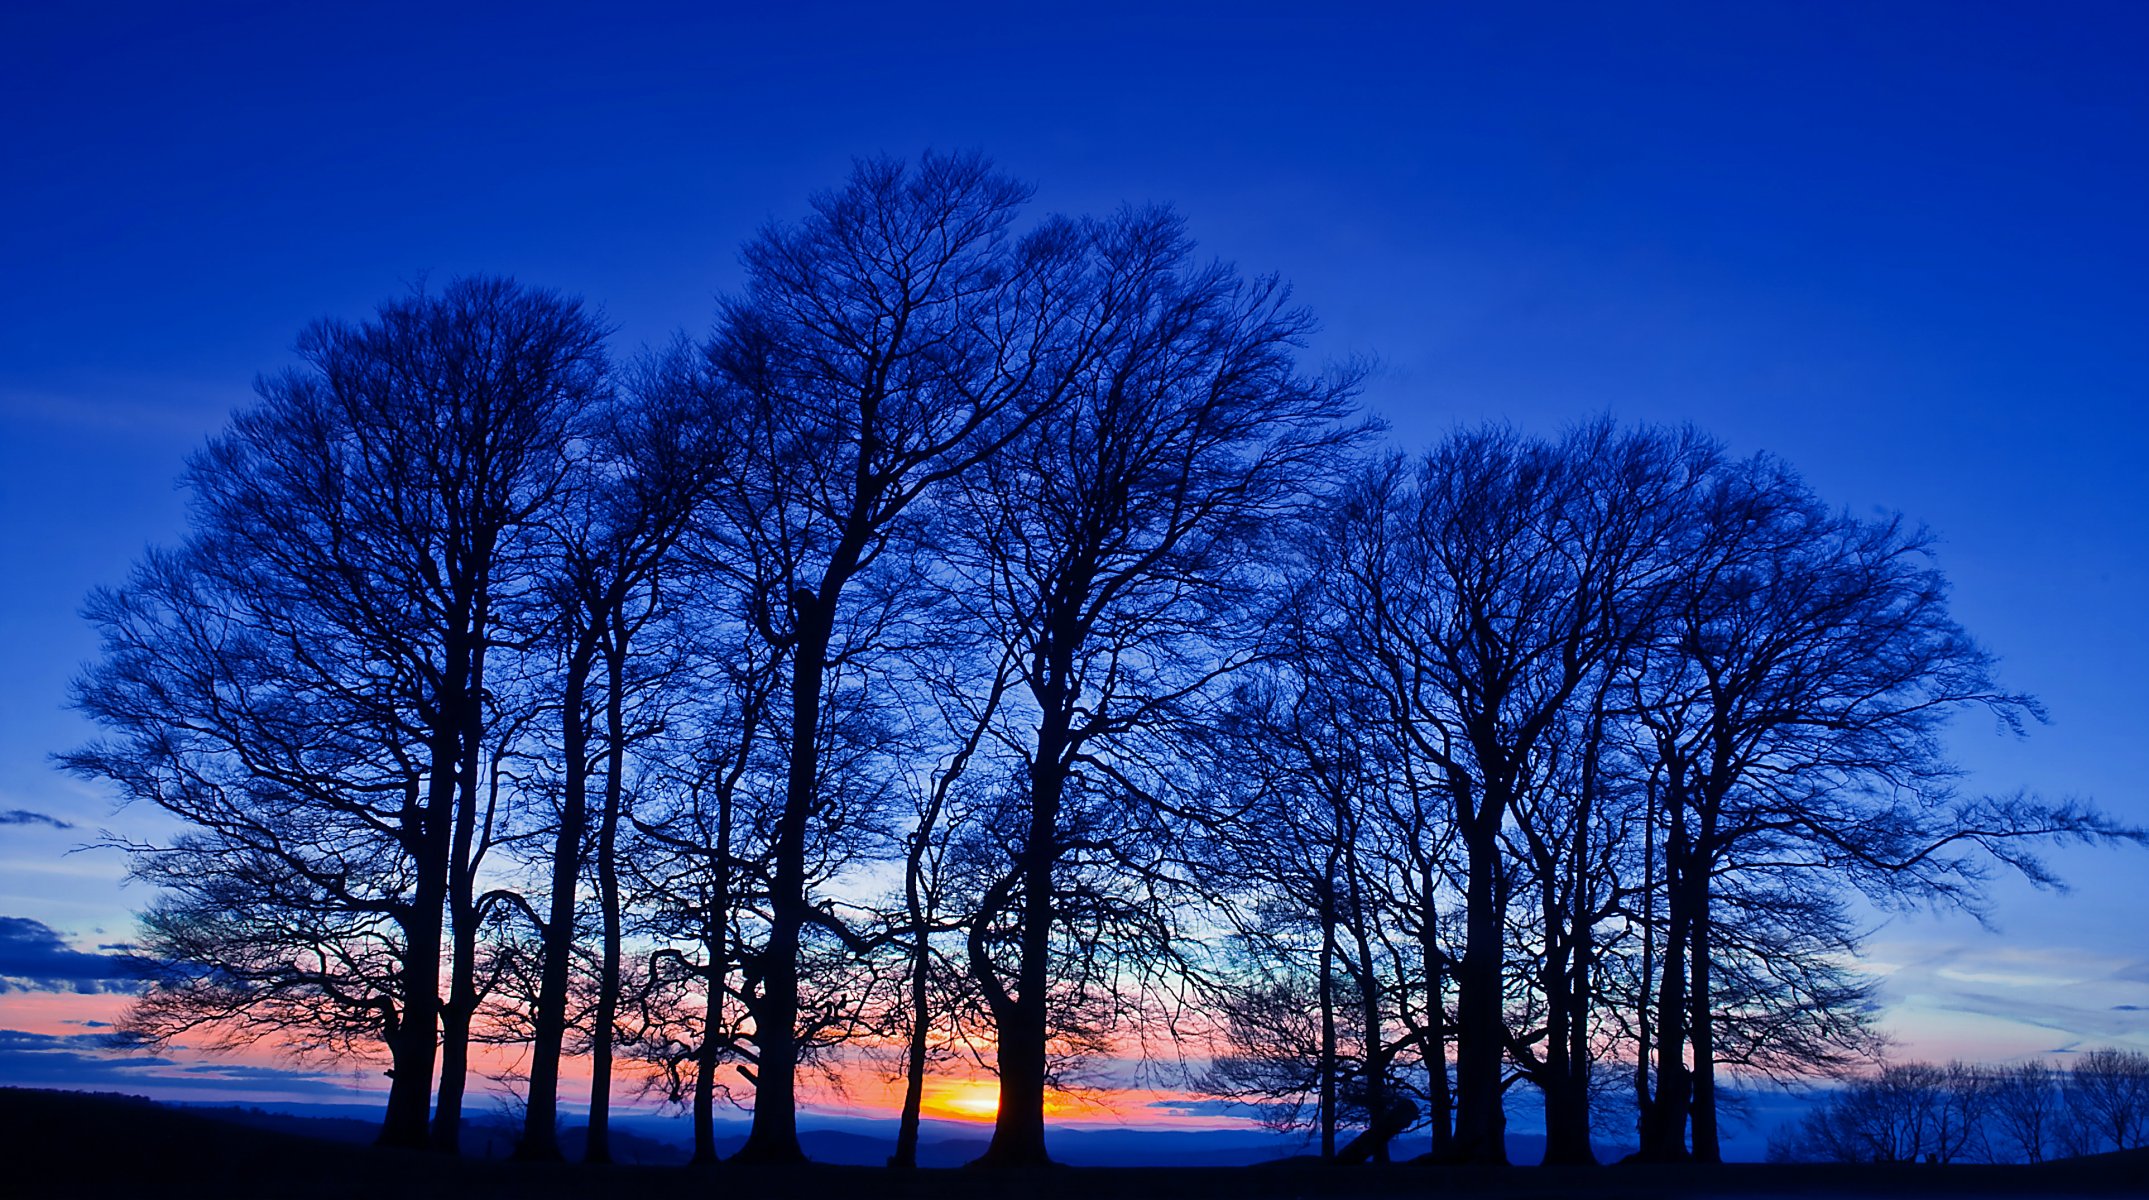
(351, 1131)
(86, 1145)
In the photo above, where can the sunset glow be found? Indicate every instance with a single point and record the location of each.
(1411, 588)
(962, 1099)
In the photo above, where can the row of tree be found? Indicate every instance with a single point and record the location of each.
(989, 640)
(1598, 736)
(1970, 1112)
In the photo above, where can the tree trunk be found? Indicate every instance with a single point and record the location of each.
(1566, 983)
(1664, 1124)
(716, 943)
(1566, 1104)
(773, 1137)
(921, 1018)
(455, 1017)
(1578, 1028)
(1707, 1143)
(1020, 1026)
(410, 1087)
(716, 946)
(456, 1014)
(540, 1125)
(1326, 989)
(921, 1028)
(705, 1077)
(1373, 1052)
(1442, 1116)
(920, 907)
(1643, 1101)
(463, 914)
(410, 1092)
(599, 1148)
(1480, 1118)
(917, 908)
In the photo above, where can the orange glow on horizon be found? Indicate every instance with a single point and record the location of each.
(61, 1013)
(976, 1099)
(194, 1071)
(961, 1099)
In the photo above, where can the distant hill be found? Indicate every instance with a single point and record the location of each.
(71, 1144)
(649, 1140)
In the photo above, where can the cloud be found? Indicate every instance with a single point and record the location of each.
(2089, 996)
(2133, 972)
(35, 958)
(17, 1041)
(23, 816)
(193, 413)
(90, 1060)
(1192, 1106)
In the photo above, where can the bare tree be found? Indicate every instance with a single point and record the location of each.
(695, 871)
(2028, 1109)
(967, 706)
(1793, 696)
(306, 683)
(1115, 551)
(1909, 1112)
(656, 455)
(884, 345)
(1493, 582)
(2107, 1094)
(1312, 843)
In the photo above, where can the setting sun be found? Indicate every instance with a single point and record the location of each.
(963, 1099)
(1379, 592)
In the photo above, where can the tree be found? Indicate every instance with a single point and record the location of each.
(1281, 1036)
(2028, 1110)
(695, 871)
(304, 684)
(928, 853)
(1324, 858)
(1491, 583)
(883, 346)
(655, 457)
(1909, 1112)
(1793, 696)
(2107, 1094)
(1115, 550)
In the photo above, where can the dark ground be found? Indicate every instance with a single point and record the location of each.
(75, 1144)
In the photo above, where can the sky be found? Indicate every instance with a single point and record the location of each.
(1900, 245)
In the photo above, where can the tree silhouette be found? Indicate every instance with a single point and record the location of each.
(305, 681)
(885, 345)
(656, 455)
(980, 621)
(1113, 549)
(1794, 699)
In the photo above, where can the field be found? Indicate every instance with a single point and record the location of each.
(71, 1144)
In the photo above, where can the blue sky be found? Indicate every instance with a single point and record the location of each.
(1901, 245)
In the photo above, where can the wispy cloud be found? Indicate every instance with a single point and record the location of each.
(1203, 1106)
(97, 1060)
(108, 408)
(2090, 997)
(34, 957)
(23, 816)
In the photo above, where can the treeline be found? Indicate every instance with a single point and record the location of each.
(989, 640)
(1974, 1112)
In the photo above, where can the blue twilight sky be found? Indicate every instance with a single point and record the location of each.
(1902, 245)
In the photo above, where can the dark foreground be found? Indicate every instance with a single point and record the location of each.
(69, 1144)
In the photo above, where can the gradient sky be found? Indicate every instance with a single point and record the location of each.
(1902, 245)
